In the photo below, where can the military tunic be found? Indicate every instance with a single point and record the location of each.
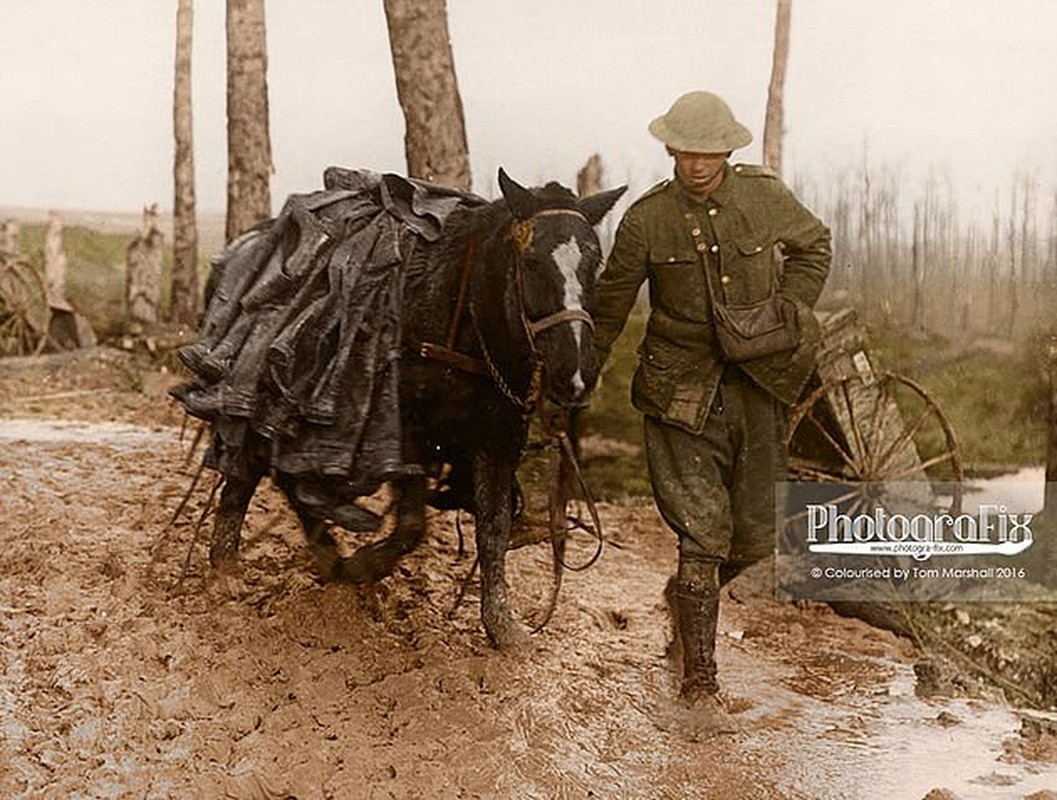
(713, 430)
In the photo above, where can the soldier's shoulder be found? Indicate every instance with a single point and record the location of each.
(651, 195)
(755, 171)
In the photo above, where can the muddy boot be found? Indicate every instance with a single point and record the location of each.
(693, 597)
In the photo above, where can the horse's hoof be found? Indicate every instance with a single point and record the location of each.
(506, 634)
(327, 564)
(369, 564)
(223, 556)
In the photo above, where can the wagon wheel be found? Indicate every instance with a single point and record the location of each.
(877, 428)
(24, 310)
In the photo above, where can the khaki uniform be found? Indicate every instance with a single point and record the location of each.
(713, 464)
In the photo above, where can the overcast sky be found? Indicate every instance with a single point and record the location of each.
(966, 88)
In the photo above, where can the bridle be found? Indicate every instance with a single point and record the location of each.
(521, 233)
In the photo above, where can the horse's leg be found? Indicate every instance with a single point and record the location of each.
(317, 530)
(373, 562)
(227, 527)
(493, 483)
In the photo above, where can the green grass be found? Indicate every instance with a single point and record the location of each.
(611, 416)
(997, 403)
(96, 278)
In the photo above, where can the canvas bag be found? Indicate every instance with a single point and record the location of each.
(747, 332)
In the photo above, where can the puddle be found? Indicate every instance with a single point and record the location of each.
(1022, 491)
(113, 434)
(886, 743)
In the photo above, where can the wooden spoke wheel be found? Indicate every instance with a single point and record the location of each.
(24, 310)
(880, 429)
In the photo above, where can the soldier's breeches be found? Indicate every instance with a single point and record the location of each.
(716, 489)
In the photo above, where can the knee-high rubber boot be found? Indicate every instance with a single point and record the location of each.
(693, 598)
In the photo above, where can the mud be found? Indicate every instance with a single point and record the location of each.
(129, 669)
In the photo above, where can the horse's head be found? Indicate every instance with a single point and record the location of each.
(556, 258)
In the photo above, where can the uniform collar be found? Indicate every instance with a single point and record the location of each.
(720, 196)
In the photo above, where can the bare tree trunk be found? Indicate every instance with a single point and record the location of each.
(143, 278)
(249, 145)
(772, 127)
(963, 284)
(865, 245)
(589, 178)
(1050, 494)
(435, 137)
(183, 306)
(918, 271)
(1014, 290)
(991, 264)
(56, 264)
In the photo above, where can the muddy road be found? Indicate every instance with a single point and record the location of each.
(129, 669)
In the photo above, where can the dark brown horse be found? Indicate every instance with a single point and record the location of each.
(489, 316)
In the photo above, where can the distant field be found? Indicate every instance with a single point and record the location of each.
(210, 226)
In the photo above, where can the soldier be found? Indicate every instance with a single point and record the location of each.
(715, 238)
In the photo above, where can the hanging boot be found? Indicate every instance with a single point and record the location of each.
(693, 599)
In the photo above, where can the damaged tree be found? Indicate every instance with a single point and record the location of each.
(774, 121)
(143, 276)
(249, 143)
(183, 306)
(435, 137)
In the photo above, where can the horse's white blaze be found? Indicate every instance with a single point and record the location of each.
(567, 256)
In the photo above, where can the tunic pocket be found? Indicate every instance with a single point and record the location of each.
(670, 384)
(678, 285)
(753, 275)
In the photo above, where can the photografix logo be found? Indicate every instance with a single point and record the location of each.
(992, 531)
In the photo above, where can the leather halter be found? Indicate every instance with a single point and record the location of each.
(521, 233)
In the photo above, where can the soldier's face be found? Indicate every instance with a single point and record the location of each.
(699, 173)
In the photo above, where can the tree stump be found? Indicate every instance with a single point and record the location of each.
(9, 241)
(143, 261)
(56, 264)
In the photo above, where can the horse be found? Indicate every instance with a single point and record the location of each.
(491, 319)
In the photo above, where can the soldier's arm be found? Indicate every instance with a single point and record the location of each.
(618, 285)
(807, 249)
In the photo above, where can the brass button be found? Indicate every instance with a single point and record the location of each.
(714, 248)
(671, 259)
(713, 211)
(688, 215)
(701, 247)
(695, 232)
(724, 279)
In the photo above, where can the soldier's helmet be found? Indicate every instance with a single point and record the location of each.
(700, 122)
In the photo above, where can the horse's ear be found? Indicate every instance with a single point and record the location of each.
(520, 200)
(597, 205)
